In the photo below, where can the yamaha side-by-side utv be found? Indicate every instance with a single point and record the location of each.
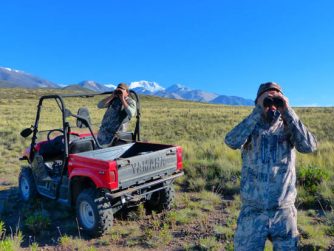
(71, 167)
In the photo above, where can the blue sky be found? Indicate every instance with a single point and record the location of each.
(227, 47)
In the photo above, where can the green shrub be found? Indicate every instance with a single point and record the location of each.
(155, 236)
(12, 243)
(2, 229)
(330, 231)
(196, 184)
(210, 244)
(329, 221)
(306, 199)
(313, 232)
(34, 246)
(220, 176)
(37, 222)
(184, 216)
(69, 243)
(224, 232)
(141, 212)
(310, 178)
(165, 235)
(210, 197)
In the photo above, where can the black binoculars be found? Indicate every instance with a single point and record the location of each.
(276, 101)
(118, 92)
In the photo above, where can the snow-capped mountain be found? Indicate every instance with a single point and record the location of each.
(178, 88)
(62, 85)
(111, 86)
(182, 92)
(145, 87)
(94, 86)
(15, 78)
(90, 85)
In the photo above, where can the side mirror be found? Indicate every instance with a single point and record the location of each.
(26, 132)
(83, 113)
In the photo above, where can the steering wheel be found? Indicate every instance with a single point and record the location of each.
(52, 131)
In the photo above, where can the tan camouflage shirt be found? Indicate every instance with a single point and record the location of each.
(268, 176)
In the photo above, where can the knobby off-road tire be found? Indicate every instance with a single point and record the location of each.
(27, 185)
(94, 212)
(161, 200)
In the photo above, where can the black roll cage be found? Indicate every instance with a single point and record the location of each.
(59, 98)
(66, 126)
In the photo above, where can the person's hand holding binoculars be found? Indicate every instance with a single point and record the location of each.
(122, 94)
(119, 92)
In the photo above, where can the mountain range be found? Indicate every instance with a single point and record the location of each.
(15, 78)
(10, 78)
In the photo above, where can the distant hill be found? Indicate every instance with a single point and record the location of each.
(232, 100)
(6, 84)
(15, 78)
(77, 88)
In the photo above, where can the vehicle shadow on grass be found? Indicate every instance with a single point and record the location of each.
(42, 221)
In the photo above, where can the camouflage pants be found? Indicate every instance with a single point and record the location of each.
(255, 226)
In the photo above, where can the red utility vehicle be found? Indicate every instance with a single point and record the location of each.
(74, 169)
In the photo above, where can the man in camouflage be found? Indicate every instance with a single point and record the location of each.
(267, 138)
(120, 109)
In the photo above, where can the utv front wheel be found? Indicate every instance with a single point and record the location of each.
(27, 185)
(161, 200)
(94, 212)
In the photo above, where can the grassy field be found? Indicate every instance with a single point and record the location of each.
(207, 202)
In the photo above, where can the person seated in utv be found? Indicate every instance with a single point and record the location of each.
(120, 109)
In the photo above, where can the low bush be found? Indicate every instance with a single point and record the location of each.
(310, 177)
(224, 232)
(210, 244)
(37, 222)
(11, 243)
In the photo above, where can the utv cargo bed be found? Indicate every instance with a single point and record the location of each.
(138, 162)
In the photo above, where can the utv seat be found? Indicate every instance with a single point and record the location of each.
(123, 138)
(81, 145)
(51, 150)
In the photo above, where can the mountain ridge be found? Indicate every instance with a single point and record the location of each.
(10, 78)
(20, 78)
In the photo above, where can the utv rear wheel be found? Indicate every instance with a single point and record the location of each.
(161, 200)
(94, 212)
(27, 184)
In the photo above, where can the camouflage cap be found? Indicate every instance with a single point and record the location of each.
(266, 87)
(123, 86)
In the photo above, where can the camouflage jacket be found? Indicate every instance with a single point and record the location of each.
(115, 119)
(268, 176)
